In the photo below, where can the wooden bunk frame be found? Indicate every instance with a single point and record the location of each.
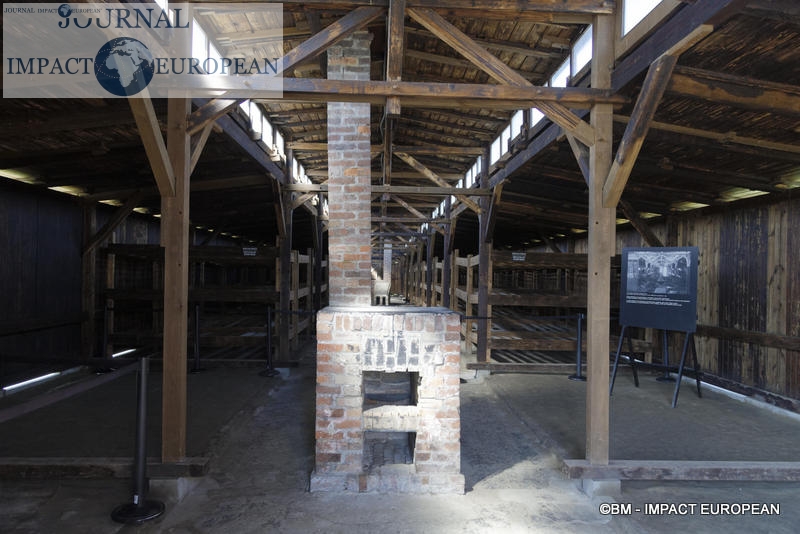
(234, 312)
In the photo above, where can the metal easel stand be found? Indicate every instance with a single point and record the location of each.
(687, 342)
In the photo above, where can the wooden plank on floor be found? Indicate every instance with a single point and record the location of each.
(93, 468)
(534, 368)
(683, 470)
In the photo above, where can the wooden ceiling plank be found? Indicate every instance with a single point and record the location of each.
(643, 112)
(55, 123)
(154, 145)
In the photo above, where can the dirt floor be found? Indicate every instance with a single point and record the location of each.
(258, 433)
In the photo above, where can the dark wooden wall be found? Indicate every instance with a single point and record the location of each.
(748, 284)
(40, 275)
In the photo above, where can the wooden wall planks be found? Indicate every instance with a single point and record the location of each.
(748, 279)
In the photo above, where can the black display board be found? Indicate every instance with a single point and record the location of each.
(659, 288)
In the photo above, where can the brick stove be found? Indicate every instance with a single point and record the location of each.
(387, 417)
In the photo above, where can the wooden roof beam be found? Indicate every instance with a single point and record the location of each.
(652, 90)
(154, 145)
(395, 47)
(766, 148)
(209, 112)
(498, 70)
(432, 176)
(308, 49)
(639, 224)
(570, 11)
(739, 91)
(113, 222)
(422, 94)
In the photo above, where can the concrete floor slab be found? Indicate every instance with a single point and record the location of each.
(515, 430)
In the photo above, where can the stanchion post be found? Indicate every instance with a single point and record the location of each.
(270, 371)
(579, 353)
(141, 509)
(196, 368)
(104, 350)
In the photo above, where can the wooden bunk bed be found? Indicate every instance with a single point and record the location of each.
(233, 298)
(536, 305)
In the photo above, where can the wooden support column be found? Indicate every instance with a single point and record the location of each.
(601, 248)
(319, 254)
(430, 267)
(484, 257)
(175, 240)
(387, 263)
(295, 299)
(285, 284)
(447, 255)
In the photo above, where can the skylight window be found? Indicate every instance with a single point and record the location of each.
(266, 133)
(494, 155)
(633, 11)
(199, 42)
(561, 75)
(256, 119)
(505, 137)
(582, 51)
(516, 124)
(536, 116)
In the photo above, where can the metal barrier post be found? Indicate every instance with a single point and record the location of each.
(141, 509)
(270, 371)
(579, 353)
(197, 368)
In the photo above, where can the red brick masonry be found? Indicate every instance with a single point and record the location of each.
(402, 339)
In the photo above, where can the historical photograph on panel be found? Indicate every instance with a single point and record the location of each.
(660, 271)
(659, 288)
